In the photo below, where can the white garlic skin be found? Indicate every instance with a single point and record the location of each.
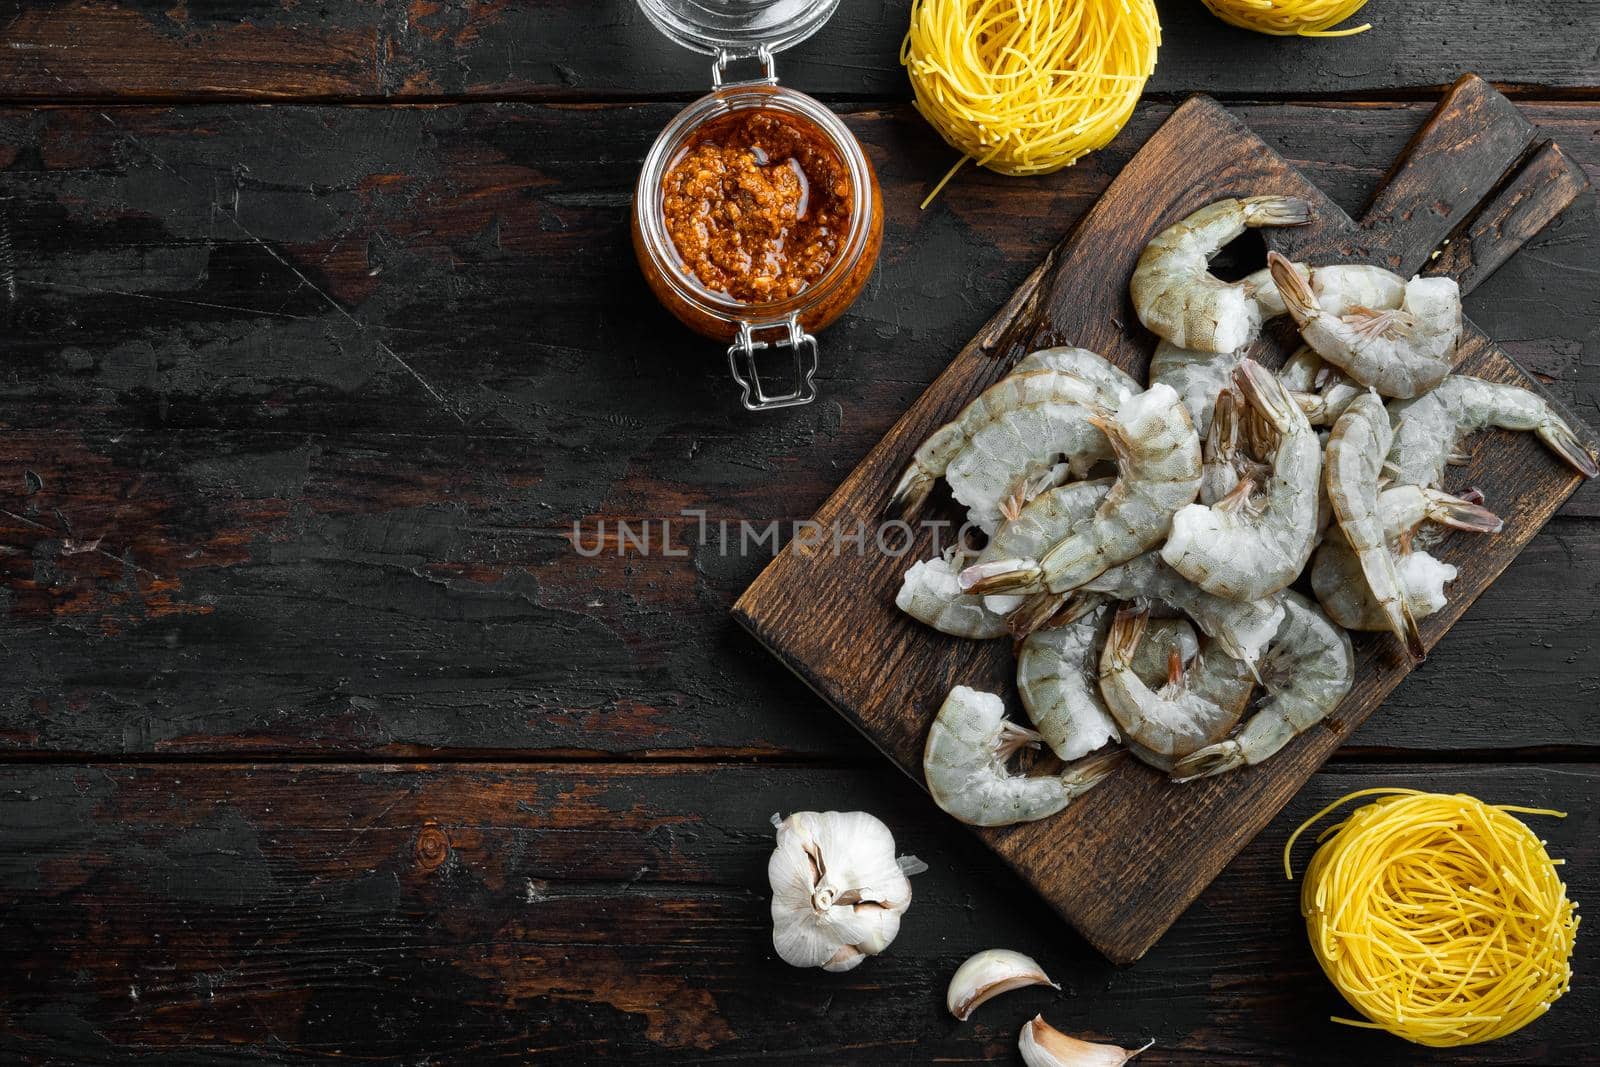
(1042, 1045)
(837, 889)
(987, 974)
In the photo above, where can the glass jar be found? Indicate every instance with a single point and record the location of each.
(742, 32)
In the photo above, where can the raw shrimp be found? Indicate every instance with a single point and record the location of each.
(1224, 460)
(1197, 377)
(1242, 548)
(932, 594)
(1338, 287)
(1158, 458)
(1341, 587)
(1403, 508)
(1163, 638)
(1342, 287)
(964, 764)
(1058, 674)
(1057, 406)
(1195, 707)
(1400, 352)
(1114, 383)
(1299, 372)
(1219, 455)
(1011, 460)
(1041, 523)
(1356, 448)
(1322, 390)
(1056, 671)
(1241, 628)
(1200, 376)
(1176, 296)
(1336, 574)
(1306, 672)
(1428, 430)
(1264, 291)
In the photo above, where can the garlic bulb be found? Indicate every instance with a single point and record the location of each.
(988, 974)
(837, 889)
(1042, 1045)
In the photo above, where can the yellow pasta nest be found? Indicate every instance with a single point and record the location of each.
(1029, 86)
(1440, 918)
(1290, 18)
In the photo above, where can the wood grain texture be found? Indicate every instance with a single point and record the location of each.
(509, 914)
(298, 549)
(1125, 860)
(589, 49)
(301, 403)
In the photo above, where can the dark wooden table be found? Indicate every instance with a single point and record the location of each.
(320, 741)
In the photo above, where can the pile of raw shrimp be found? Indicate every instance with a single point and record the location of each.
(1148, 606)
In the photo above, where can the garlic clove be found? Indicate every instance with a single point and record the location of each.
(846, 959)
(1042, 1045)
(988, 974)
(868, 925)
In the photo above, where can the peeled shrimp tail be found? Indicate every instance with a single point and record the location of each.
(1408, 622)
(1122, 640)
(1076, 606)
(1276, 211)
(1003, 576)
(910, 493)
(1037, 612)
(1266, 394)
(1293, 289)
(1083, 775)
(1560, 439)
(1459, 513)
(1220, 467)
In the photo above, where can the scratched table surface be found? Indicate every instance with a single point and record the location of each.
(325, 353)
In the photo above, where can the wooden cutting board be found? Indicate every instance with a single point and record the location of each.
(1122, 863)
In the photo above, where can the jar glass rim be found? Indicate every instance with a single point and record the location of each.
(738, 28)
(648, 197)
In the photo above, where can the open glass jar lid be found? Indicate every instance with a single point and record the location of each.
(738, 27)
(757, 217)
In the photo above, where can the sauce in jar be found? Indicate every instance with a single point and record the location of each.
(757, 205)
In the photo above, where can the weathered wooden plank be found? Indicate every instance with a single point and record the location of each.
(388, 49)
(829, 616)
(284, 267)
(207, 914)
(204, 592)
(185, 398)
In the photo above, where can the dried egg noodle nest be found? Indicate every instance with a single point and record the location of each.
(1290, 18)
(1028, 86)
(1439, 917)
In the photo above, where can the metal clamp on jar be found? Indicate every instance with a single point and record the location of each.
(757, 217)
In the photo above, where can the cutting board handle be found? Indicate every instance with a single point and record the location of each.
(1452, 164)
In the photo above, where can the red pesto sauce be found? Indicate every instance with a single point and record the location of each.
(757, 205)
